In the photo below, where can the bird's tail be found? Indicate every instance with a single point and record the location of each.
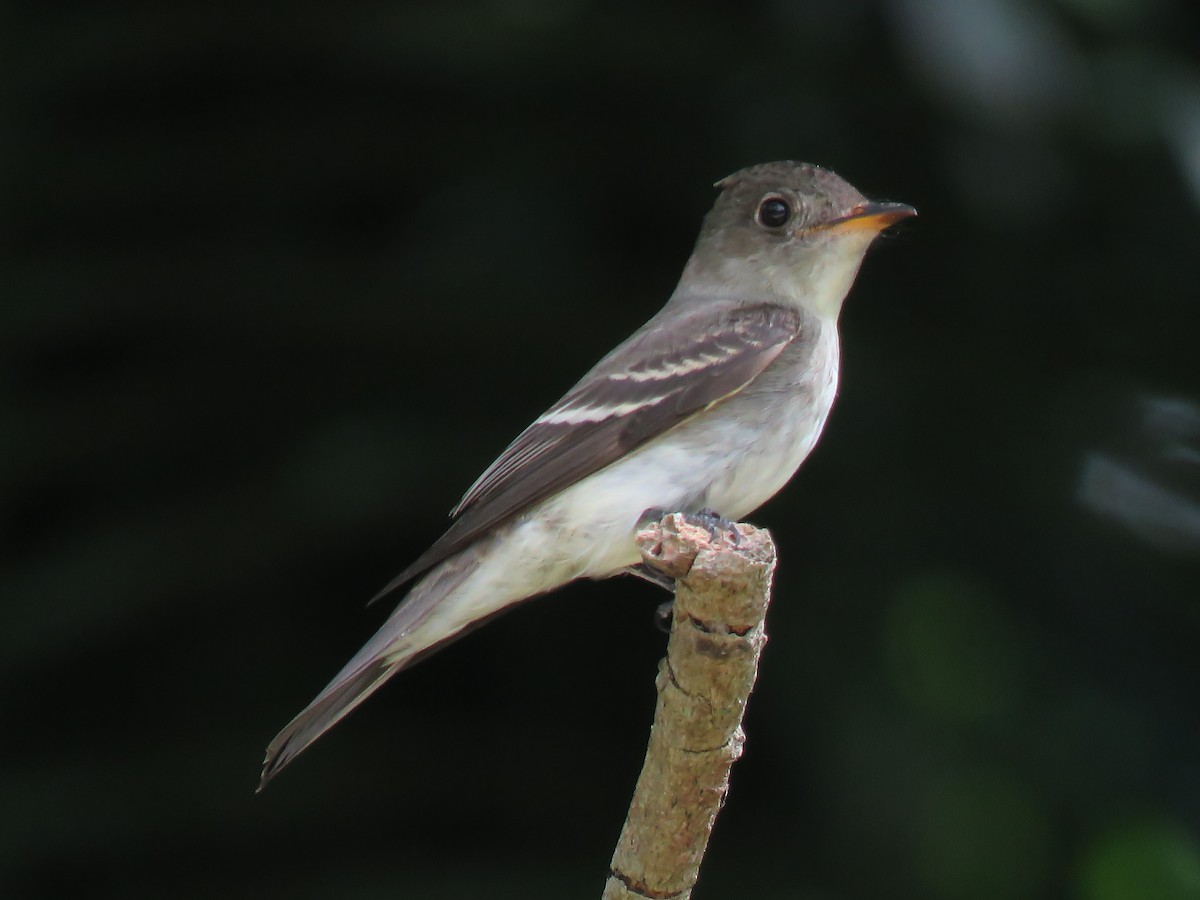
(407, 635)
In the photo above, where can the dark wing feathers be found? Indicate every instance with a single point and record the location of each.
(662, 375)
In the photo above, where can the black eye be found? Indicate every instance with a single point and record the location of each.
(774, 212)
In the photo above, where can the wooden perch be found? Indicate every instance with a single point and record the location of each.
(723, 587)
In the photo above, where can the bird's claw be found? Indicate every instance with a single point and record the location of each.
(716, 525)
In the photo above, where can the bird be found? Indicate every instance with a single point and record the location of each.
(711, 405)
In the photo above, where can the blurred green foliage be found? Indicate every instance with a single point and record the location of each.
(1157, 860)
(952, 649)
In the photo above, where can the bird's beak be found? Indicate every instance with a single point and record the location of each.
(868, 216)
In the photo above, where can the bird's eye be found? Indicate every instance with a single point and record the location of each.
(774, 212)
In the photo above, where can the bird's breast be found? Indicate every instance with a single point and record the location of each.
(778, 420)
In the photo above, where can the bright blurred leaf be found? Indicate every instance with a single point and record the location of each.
(1147, 860)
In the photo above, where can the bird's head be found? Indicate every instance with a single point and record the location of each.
(788, 229)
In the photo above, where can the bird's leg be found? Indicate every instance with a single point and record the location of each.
(652, 575)
(643, 571)
(663, 615)
(716, 524)
(710, 519)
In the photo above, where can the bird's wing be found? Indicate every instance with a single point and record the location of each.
(664, 373)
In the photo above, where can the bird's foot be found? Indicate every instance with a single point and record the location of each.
(706, 518)
(709, 519)
(716, 524)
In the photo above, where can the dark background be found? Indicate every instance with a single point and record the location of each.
(280, 279)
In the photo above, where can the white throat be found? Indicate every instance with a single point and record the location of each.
(818, 283)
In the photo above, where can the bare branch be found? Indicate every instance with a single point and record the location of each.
(722, 591)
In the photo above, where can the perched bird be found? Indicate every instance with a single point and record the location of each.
(712, 404)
